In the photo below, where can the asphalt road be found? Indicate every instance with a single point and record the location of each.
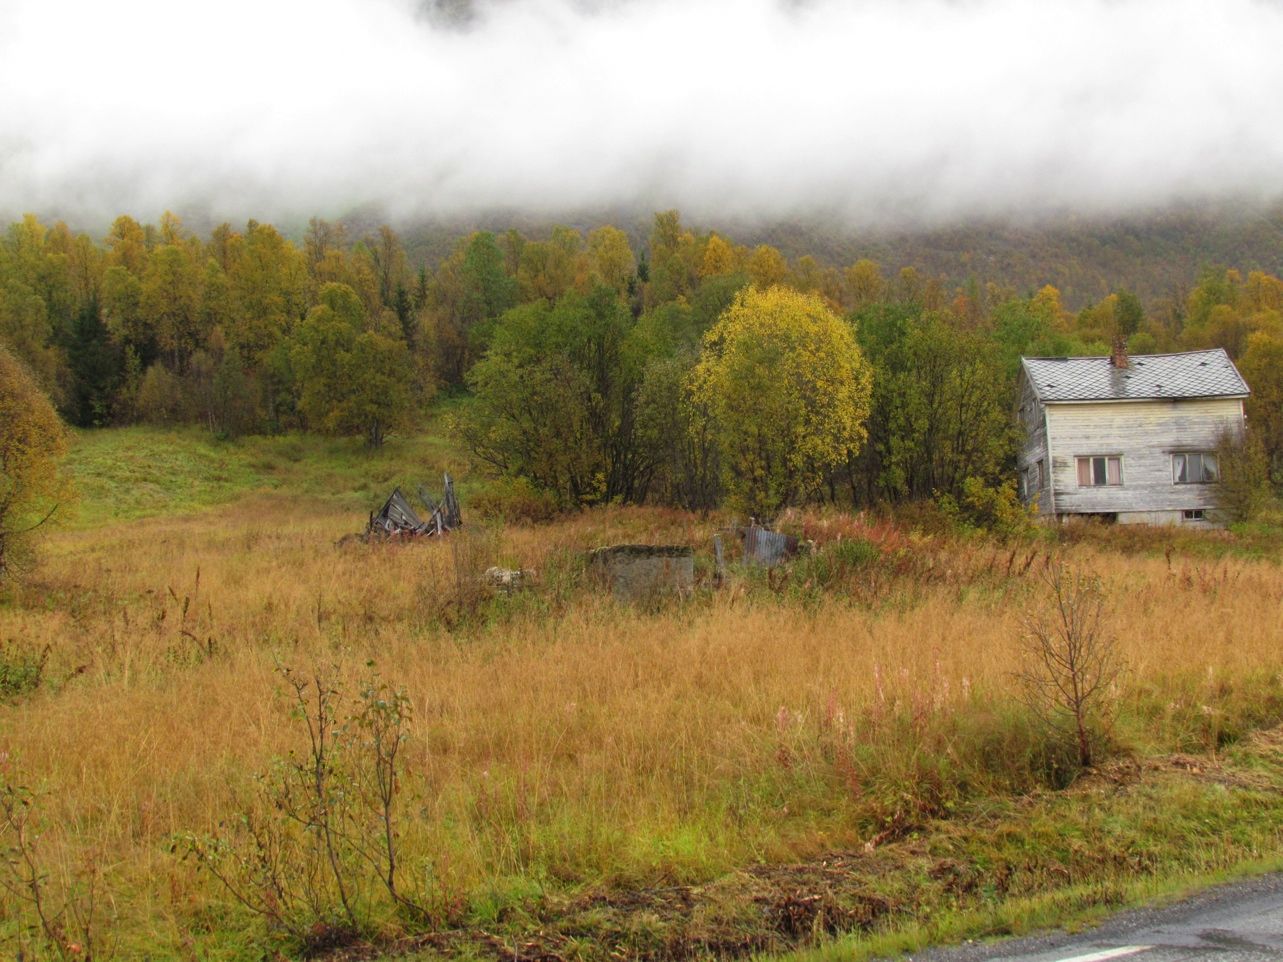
(1241, 922)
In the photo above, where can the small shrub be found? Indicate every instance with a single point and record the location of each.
(60, 907)
(163, 398)
(835, 564)
(314, 851)
(1014, 748)
(1244, 491)
(472, 551)
(855, 553)
(1070, 659)
(21, 672)
(515, 500)
(995, 508)
(938, 518)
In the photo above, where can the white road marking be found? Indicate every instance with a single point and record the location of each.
(1104, 954)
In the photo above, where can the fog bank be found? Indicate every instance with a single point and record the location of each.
(876, 112)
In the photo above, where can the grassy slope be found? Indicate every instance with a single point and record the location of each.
(596, 780)
(130, 473)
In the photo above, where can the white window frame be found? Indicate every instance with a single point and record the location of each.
(1091, 459)
(1181, 458)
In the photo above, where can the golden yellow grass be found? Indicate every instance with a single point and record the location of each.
(573, 740)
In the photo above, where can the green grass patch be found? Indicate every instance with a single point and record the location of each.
(122, 474)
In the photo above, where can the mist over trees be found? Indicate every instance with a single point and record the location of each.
(691, 370)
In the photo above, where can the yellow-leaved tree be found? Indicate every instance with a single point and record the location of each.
(33, 440)
(719, 257)
(787, 391)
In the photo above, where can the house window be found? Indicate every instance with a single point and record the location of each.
(1195, 467)
(1098, 471)
(1192, 514)
(1042, 474)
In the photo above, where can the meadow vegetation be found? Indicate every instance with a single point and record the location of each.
(839, 755)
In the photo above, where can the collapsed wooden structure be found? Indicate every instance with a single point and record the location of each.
(398, 519)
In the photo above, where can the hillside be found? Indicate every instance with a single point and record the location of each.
(1155, 256)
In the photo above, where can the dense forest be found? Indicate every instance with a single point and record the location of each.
(596, 368)
(1158, 256)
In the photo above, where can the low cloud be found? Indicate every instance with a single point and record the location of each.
(877, 112)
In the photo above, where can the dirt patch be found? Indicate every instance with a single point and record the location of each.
(1124, 773)
(763, 909)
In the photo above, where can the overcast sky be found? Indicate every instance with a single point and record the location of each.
(878, 111)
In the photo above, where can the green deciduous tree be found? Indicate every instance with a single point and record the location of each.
(1262, 368)
(672, 270)
(675, 429)
(122, 298)
(25, 327)
(942, 411)
(555, 400)
(171, 303)
(350, 380)
(612, 258)
(470, 290)
(1129, 313)
(127, 245)
(268, 281)
(1244, 488)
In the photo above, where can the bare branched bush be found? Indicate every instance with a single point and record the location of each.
(61, 909)
(311, 852)
(379, 727)
(1070, 659)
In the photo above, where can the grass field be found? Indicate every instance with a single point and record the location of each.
(833, 759)
(131, 473)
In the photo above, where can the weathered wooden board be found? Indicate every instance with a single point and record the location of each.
(1034, 449)
(1145, 434)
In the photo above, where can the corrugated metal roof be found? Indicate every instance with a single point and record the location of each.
(1194, 374)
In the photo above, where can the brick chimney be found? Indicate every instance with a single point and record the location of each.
(1119, 359)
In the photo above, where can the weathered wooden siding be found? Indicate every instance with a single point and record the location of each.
(1145, 434)
(1034, 448)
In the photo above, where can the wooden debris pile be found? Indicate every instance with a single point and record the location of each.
(397, 518)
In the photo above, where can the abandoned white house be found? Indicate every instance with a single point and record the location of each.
(1127, 439)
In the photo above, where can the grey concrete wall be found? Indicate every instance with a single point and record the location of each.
(636, 572)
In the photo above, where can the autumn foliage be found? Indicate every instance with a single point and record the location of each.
(32, 442)
(578, 350)
(787, 391)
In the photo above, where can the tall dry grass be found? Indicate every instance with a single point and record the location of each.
(560, 738)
